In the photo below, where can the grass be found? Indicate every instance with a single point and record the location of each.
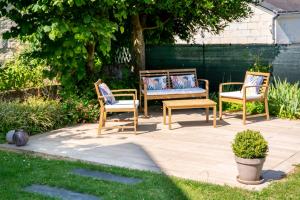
(20, 170)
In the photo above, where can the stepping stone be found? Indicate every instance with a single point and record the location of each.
(59, 193)
(106, 176)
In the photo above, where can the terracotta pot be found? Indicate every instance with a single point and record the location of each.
(250, 170)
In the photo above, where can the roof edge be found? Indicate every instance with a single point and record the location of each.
(275, 9)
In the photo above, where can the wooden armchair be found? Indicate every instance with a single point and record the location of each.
(118, 106)
(242, 97)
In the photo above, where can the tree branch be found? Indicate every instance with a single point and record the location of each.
(155, 27)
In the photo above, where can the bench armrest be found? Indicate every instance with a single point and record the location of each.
(206, 83)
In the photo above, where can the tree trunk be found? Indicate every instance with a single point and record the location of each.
(138, 43)
(90, 58)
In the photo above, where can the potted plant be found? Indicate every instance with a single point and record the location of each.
(250, 149)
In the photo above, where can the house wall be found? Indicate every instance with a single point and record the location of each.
(7, 47)
(288, 29)
(256, 29)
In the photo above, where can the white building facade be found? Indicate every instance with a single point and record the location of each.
(266, 25)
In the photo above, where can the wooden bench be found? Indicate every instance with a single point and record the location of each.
(170, 92)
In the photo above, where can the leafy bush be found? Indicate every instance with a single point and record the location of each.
(260, 68)
(250, 144)
(33, 115)
(81, 110)
(252, 107)
(284, 99)
(21, 72)
(38, 115)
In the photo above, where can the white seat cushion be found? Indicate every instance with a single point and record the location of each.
(123, 104)
(176, 91)
(239, 95)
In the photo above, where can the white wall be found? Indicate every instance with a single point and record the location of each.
(287, 29)
(256, 29)
(7, 47)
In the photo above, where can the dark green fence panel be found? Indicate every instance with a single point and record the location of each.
(287, 63)
(221, 63)
(175, 56)
(224, 63)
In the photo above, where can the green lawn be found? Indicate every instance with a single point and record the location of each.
(20, 170)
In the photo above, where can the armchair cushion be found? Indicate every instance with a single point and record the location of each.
(239, 95)
(183, 81)
(107, 94)
(125, 104)
(252, 80)
(156, 83)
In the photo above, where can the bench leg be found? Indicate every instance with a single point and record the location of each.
(140, 108)
(145, 107)
(207, 113)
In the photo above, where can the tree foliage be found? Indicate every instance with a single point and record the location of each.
(71, 36)
(74, 36)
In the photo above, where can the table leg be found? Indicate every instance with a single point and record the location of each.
(164, 113)
(170, 114)
(214, 113)
(206, 112)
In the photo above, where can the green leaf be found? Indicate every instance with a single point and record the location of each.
(122, 29)
(87, 19)
(47, 29)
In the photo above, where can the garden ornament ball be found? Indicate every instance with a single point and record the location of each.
(10, 136)
(21, 137)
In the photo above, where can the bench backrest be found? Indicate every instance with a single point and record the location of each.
(168, 73)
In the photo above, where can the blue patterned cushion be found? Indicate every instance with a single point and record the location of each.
(107, 94)
(184, 81)
(156, 83)
(252, 80)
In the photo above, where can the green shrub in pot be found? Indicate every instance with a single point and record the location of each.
(250, 149)
(250, 144)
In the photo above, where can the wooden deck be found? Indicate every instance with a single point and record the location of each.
(193, 149)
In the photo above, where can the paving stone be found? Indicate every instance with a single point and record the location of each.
(106, 176)
(59, 193)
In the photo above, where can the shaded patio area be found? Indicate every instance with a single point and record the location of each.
(193, 149)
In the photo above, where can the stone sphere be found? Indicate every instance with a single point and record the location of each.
(21, 137)
(10, 136)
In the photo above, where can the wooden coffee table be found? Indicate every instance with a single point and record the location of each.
(188, 104)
